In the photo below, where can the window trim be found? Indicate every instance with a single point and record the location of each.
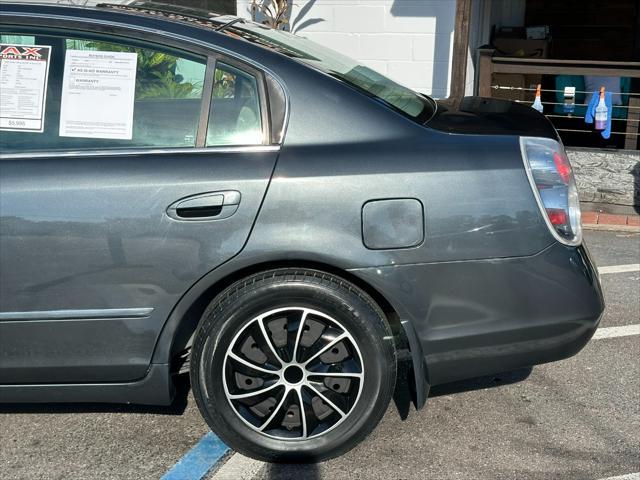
(69, 26)
(142, 151)
(205, 106)
(262, 92)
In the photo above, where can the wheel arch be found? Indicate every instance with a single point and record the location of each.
(175, 339)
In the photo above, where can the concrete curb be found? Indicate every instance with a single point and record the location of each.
(611, 228)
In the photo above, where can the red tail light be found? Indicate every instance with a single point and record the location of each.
(554, 187)
(563, 166)
(557, 216)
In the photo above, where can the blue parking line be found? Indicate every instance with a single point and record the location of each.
(199, 460)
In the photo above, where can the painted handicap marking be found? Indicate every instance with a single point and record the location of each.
(198, 461)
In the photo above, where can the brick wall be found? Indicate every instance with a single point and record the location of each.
(408, 40)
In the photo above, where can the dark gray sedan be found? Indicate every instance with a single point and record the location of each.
(185, 192)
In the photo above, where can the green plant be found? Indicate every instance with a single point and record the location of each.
(223, 84)
(156, 75)
(276, 13)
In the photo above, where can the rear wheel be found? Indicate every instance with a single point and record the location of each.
(293, 365)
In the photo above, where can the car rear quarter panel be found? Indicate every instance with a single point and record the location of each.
(343, 149)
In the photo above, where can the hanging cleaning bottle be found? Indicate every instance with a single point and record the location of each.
(537, 103)
(602, 112)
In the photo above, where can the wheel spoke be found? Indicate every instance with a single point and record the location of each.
(279, 356)
(275, 410)
(254, 392)
(251, 365)
(335, 374)
(323, 397)
(303, 417)
(268, 340)
(333, 342)
(299, 335)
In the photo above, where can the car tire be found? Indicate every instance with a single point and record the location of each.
(318, 325)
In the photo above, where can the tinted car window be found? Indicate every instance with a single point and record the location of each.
(235, 117)
(165, 89)
(18, 39)
(416, 106)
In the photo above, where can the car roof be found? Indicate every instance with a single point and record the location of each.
(141, 8)
(163, 12)
(141, 4)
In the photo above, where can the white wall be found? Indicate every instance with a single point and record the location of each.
(408, 40)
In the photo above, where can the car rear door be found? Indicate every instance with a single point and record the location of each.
(148, 173)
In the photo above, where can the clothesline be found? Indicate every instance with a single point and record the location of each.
(576, 104)
(524, 89)
(581, 117)
(591, 131)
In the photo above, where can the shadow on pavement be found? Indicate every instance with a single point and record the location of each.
(402, 396)
(479, 383)
(402, 399)
(292, 471)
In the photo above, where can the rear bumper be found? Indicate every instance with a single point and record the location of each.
(489, 316)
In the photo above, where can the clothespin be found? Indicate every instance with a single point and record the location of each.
(537, 103)
(569, 100)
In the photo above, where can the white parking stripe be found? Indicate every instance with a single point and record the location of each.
(612, 332)
(632, 267)
(630, 476)
(238, 467)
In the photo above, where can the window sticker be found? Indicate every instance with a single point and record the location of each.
(24, 71)
(98, 93)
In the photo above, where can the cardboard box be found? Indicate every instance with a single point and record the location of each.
(512, 32)
(521, 47)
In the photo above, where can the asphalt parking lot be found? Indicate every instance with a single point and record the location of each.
(575, 419)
